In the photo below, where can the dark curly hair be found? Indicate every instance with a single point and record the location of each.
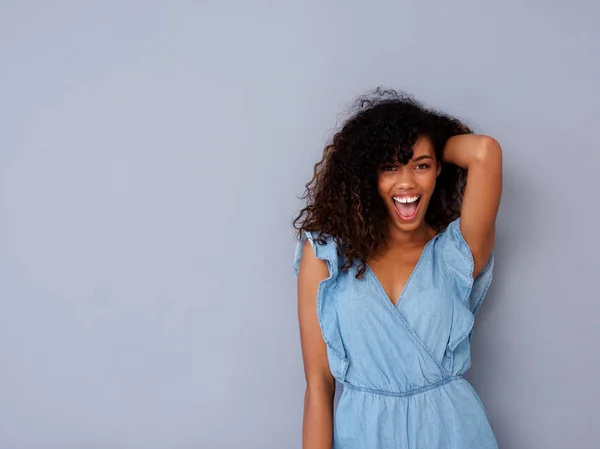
(342, 200)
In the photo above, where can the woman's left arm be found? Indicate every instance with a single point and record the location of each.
(482, 157)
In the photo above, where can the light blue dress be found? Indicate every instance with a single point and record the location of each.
(401, 366)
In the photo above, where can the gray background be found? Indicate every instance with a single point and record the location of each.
(150, 158)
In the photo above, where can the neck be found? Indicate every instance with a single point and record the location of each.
(419, 236)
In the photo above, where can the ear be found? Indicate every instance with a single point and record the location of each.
(439, 169)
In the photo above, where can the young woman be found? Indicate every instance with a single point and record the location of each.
(393, 261)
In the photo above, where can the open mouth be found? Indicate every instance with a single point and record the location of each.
(407, 206)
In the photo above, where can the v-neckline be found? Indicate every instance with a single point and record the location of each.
(406, 284)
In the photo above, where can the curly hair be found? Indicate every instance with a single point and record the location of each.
(342, 199)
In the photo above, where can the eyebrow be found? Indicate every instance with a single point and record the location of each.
(420, 158)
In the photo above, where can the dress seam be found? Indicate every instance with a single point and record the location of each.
(402, 394)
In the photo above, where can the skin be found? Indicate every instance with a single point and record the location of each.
(482, 157)
(317, 424)
(395, 263)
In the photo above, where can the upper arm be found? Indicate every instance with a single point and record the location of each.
(314, 350)
(481, 201)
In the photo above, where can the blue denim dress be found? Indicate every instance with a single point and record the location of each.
(401, 366)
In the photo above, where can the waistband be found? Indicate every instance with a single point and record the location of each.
(402, 394)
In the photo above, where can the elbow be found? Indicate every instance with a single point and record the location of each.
(489, 151)
(322, 386)
(319, 396)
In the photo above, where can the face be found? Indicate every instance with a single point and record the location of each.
(407, 189)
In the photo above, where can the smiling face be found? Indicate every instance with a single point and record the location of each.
(407, 188)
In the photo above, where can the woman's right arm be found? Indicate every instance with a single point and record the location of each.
(317, 425)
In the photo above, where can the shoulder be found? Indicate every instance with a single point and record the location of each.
(323, 251)
(458, 264)
(454, 255)
(455, 251)
(451, 244)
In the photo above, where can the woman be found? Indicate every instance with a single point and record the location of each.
(393, 261)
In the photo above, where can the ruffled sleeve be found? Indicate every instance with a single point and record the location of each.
(326, 313)
(468, 293)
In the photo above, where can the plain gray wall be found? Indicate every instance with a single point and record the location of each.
(151, 154)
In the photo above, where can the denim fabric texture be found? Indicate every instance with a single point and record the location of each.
(401, 365)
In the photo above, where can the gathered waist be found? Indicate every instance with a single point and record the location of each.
(402, 394)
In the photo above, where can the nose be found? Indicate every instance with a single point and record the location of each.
(405, 178)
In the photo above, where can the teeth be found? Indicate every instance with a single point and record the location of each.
(407, 199)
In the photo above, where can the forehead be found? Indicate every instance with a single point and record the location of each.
(423, 147)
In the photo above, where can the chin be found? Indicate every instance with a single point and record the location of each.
(407, 226)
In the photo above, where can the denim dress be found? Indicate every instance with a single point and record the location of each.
(401, 365)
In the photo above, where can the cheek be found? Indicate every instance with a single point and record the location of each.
(427, 181)
(384, 185)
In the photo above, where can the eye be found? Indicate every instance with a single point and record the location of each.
(422, 166)
(388, 167)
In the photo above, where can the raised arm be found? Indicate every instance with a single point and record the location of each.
(482, 157)
(317, 426)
